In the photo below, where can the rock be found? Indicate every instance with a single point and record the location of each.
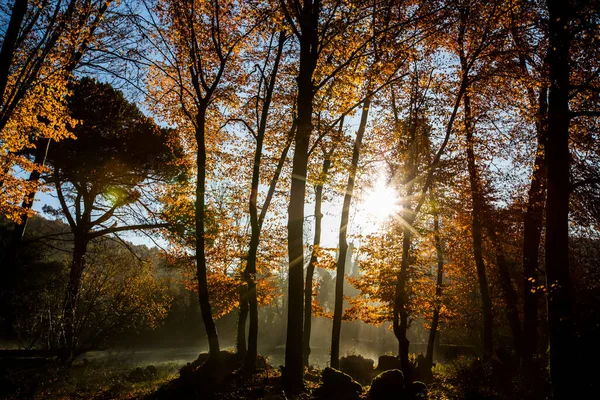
(386, 363)
(357, 367)
(417, 390)
(338, 385)
(388, 385)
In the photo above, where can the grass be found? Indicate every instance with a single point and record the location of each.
(108, 379)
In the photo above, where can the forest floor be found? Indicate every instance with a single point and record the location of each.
(116, 378)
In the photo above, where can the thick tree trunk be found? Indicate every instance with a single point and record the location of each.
(201, 271)
(560, 302)
(438, 290)
(343, 243)
(477, 218)
(532, 227)
(293, 372)
(308, 286)
(72, 290)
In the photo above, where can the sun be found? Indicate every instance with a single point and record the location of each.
(380, 202)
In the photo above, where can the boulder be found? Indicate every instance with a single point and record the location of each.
(386, 363)
(338, 385)
(357, 367)
(388, 385)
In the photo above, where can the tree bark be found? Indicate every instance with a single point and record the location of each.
(532, 232)
(201, 270)
(477, 218)
(308, 286)
(560, 300)
(438, 290)
(343, 243)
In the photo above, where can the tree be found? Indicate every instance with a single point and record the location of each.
(198, 44)
(105, 178)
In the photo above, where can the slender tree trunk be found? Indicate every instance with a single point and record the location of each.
(72, 290)
(308, 286)
(438, 290)
(242, 318)
(8, 44)
(532, 226)
(477, 218)
(560, 301)
(255, 220)
(250, 362)
(343, 243)
(400, 320)
(205, 308)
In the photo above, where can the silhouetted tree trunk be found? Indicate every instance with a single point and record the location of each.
(255, 221)
(438, 290)
(205, 308)
(343, 243)
(400, 321)
(532, 232)
(241, 323)
(11, 35)
(308, 286)
(477, 218)
(308, 41)
(560, 300)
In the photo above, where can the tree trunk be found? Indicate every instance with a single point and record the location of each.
(560, 300)
(400, 320)
(343, 243)
(205, 308)
(293, 372)
(438, 290)
(255, 221)
(8, 45)
(477, 216)
(72, 290)
(308, 286)
(532, 227)
(242, 318)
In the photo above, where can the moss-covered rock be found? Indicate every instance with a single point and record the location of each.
(337, 385)
(388, 385)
